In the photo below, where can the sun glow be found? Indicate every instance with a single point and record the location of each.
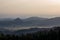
(54, 1)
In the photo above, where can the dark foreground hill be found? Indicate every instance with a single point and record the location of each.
(22, 31)
(52, 34)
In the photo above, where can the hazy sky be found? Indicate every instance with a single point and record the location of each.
(27, 8)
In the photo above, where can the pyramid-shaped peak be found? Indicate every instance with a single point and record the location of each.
(18, 19)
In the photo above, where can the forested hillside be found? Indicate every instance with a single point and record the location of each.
(52, 34)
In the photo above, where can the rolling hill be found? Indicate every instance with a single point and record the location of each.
(32, 21)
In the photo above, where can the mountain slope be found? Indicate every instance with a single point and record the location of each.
(47, 22)
(33, 21)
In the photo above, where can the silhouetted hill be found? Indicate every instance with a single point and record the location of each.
(14, 22)
(52, 22)
(22, 31)
(25, 31)
(32, 21)
(18, 21)
(47, 22)
(32, 34)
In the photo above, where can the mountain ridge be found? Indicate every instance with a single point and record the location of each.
(32, 21)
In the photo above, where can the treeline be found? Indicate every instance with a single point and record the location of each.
(52, 34)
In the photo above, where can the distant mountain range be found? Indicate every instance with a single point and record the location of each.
(32, 21)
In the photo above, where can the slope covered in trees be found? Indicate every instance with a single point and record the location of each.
(52, 34)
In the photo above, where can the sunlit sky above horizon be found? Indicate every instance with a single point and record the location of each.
(27, 8)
